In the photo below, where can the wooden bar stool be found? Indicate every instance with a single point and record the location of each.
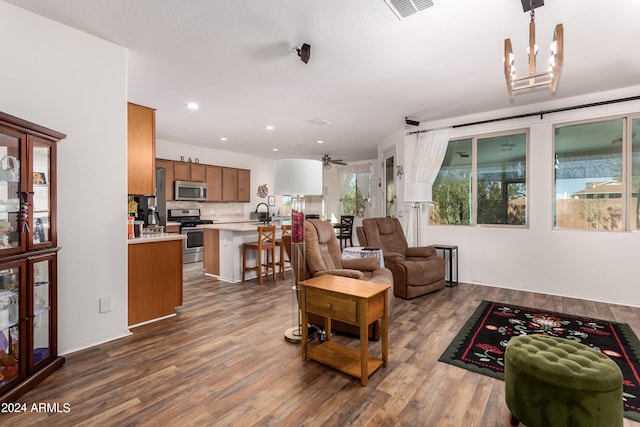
(266, 242)
(284, 259)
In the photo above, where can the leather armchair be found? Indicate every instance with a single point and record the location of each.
(416, 270)
(323, 256)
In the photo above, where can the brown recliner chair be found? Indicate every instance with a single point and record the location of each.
(323, 256)
(417, 270)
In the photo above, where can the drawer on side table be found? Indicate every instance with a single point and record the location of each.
(333, 306)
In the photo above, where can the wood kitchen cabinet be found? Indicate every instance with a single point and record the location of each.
(186, 171)
(141, 149)
(181, 171)
(236, 185)
(155, 279)
(224, 184)
(168, 172)
(229, 184)
(197, 172)
(213, 179)
(244, 186)
(28, 256)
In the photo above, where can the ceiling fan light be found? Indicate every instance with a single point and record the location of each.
(554, 47)
(535, 50)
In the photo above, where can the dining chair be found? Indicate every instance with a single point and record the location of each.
(345, 232)
(266, 243)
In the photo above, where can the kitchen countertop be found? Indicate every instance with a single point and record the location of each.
(238, 226)
(156, 237)
(232, 220)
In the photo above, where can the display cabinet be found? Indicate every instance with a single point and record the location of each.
(28, 255)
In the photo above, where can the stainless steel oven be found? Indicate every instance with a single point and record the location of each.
(191, 226)
(193, 245)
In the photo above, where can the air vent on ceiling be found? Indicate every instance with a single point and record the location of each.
(405, 8)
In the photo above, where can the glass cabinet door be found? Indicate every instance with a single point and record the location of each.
(41, 206)
(41, 348)
(10, 336)
(10, 224)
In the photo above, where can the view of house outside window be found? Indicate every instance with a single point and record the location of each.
(590, 165)
(499, 185)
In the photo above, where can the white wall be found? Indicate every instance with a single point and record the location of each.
(74, 83)
(591, 265)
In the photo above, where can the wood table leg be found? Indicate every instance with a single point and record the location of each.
(364, 345)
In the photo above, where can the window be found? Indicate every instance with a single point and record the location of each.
(451, 191)
(591, 191)
(490, 170)
(358, 191)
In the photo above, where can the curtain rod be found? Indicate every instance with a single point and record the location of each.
(540, 113)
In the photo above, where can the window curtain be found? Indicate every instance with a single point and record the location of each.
(424, 153)
(344, 178)
(363, 180)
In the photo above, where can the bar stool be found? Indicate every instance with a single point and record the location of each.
(266, 242)
(284, 259)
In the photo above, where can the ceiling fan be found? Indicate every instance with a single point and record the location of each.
(327, 161)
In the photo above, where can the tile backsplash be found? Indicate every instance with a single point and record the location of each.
(215, 210)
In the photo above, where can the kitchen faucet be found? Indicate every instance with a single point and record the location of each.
(268, 218)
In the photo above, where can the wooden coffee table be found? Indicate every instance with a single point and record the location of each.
(352, 301)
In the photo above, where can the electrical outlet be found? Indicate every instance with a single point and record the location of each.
(105, 304)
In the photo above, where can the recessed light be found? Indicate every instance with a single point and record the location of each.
(320, 141)
(274, 149)
(192, 106)
(269, 127)
(223, 139)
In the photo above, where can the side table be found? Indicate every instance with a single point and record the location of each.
(447, 253)
(352, 301)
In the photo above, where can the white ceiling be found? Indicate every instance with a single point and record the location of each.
(368, 69)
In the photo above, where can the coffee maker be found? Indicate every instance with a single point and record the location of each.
(147, 210)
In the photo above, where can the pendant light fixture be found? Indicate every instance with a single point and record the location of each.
(534, 79)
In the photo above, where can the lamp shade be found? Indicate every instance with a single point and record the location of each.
(297, 177)
(417, 191)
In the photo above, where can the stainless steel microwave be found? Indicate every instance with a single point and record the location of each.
(188, 190)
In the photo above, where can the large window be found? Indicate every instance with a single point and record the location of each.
(483, 180)
(591, 163)
(358, 191)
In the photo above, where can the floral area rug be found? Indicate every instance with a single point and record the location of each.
(480, 344)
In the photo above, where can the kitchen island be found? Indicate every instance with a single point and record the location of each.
(155, 277)
(223, 249)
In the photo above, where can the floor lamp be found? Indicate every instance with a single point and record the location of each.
(297, 178)
(417, 193)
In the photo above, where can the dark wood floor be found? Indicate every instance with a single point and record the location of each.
(223, 361)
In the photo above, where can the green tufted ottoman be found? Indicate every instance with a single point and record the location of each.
(555, 382)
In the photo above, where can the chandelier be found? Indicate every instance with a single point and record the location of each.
(534, 79)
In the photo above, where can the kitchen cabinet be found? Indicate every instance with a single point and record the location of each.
(141, 149)
(197, 172)
(214, 183)
(187, 171)
(181, 171)
(28, 256)
(224, 184)
(155, 278)
(244, 186)
(229, 184)
(168, 171)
